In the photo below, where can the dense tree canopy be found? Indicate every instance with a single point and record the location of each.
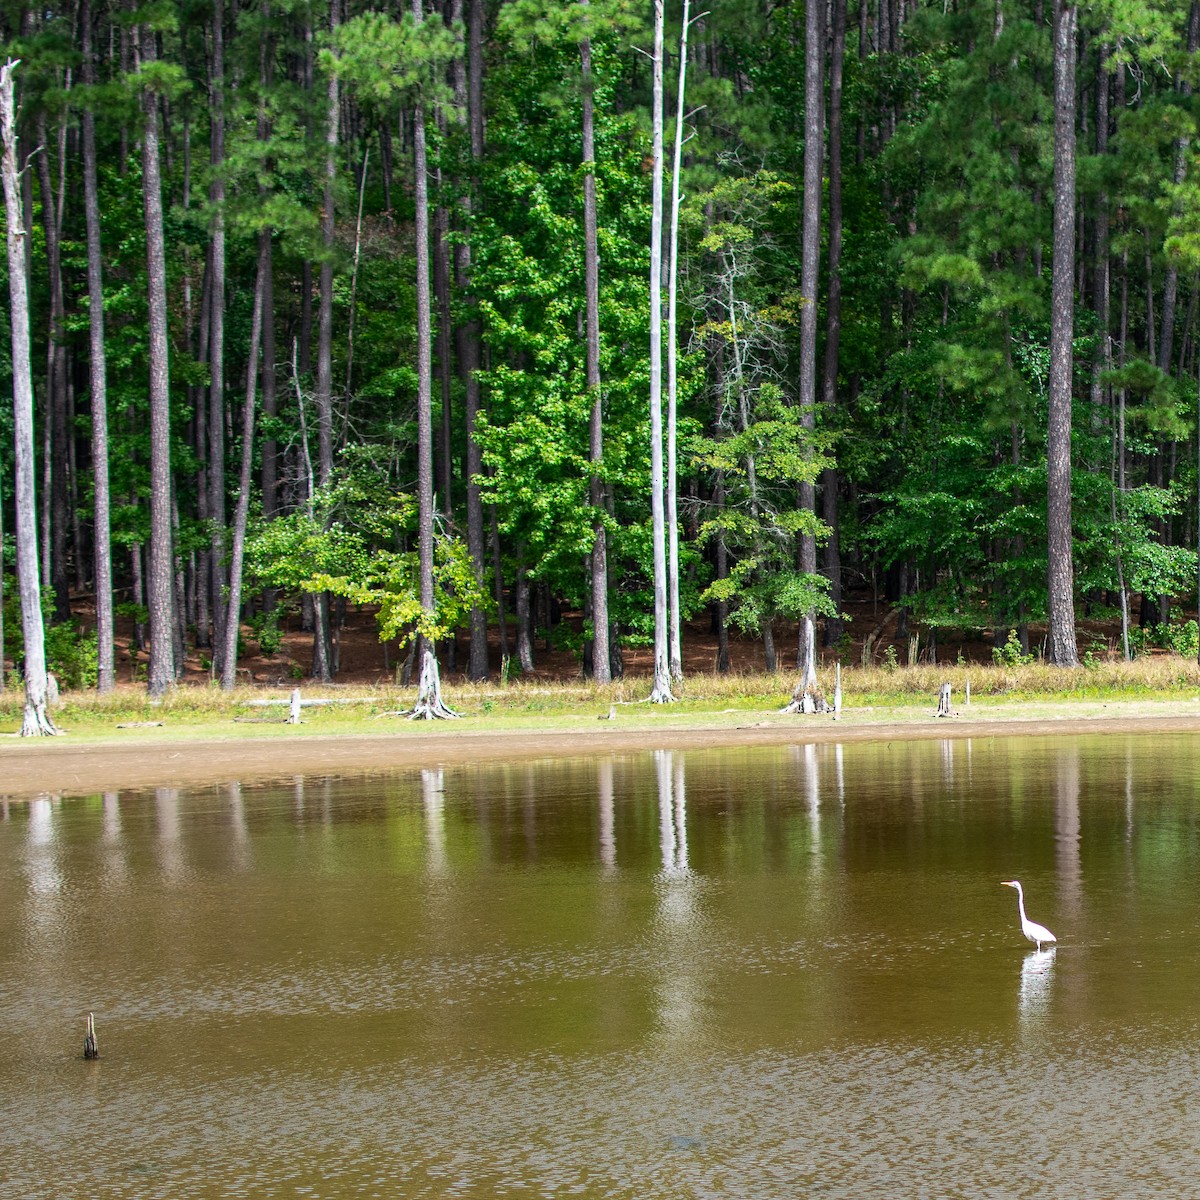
(976, 364)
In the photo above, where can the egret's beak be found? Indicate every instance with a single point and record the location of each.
(1007, 883)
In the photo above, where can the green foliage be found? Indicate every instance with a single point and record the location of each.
(1011, 653)
(267, 631)
(1178, 637)
(356, 541)
(72, 654)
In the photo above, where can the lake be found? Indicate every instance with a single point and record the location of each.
(775, 972)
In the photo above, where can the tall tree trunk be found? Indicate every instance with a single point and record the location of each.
(322, 667)
(429, 699)
(56, 502)
(101, 537)
(523, 619)
(1101, 290)
(324, 390)
(1062, 649)
(270, 450)
(833, 317)
(445, 366)
(814, 52)
(1171, 278)
(37, 721)
(661, 692)
(722, 614)
(468, 346)
(676, 644)
(229, 655)
(601, 669)
(216, 340)
(160, 590)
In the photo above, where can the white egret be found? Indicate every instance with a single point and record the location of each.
(1036, 933)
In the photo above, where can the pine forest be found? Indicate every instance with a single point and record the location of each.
(598, 320)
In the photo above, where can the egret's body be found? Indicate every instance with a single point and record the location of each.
(1037, 934)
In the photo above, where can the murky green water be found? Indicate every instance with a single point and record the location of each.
(776, 973)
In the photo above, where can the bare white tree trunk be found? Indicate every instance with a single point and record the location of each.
(661, 693)
(672, 381)
(430, 706)
(37, 721)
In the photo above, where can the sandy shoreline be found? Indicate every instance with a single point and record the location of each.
(58, 766)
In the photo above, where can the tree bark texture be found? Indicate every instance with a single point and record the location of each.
(591, 271)
(1061, 648)
(102, 540)
(36, 720)
(833, 316)
(810, 239)
(160, 585)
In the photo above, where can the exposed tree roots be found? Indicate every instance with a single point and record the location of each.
(430, 706)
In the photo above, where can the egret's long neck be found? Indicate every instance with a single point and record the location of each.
(1021, 903)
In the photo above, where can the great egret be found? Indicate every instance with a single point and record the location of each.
(1036, 933)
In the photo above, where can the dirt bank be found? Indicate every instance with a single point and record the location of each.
(166, 758)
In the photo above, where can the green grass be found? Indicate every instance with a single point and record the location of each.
(531, 705)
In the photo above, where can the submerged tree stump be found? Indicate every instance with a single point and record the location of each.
(89, 1041)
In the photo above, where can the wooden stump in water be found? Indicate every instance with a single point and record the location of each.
(89, 1042)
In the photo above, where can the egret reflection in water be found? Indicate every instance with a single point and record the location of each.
(1037, 981)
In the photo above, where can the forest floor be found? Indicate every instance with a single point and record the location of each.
(364, 660)
(199, 734)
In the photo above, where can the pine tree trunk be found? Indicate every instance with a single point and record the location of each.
(37, 721)
(722, 614)
(216, 342)
(833, 316)
(322, 668)
(270, 404)
(429, 697)
(229, 655)
(810, 238)
(524, 621)
(323, 396)
(601, 669)
(1061, 641)
(57, 508)
(445, 367)
(102, 579)
(468, 94)
(1166, 340)
(160, 587)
